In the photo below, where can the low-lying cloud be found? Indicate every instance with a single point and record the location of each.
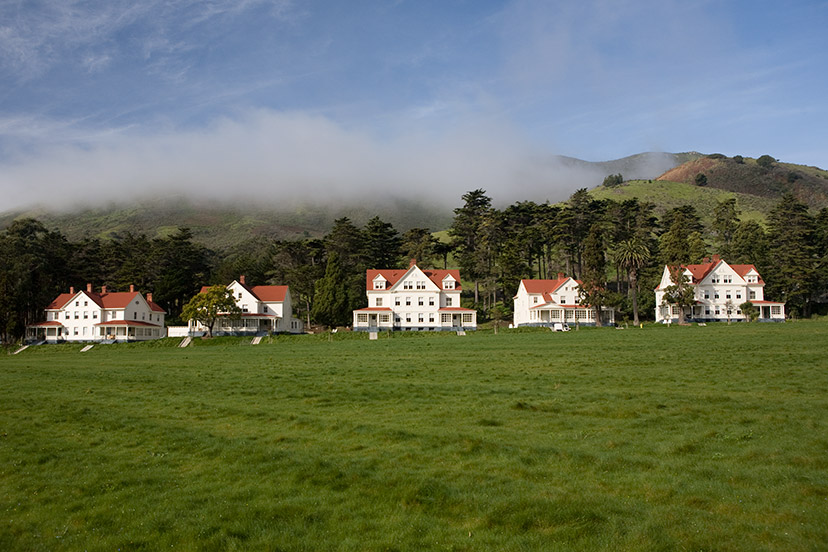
(270, 158)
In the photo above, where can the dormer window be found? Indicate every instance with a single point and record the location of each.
(448, 284)
(379, 284)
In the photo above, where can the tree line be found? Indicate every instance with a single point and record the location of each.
(618, 250)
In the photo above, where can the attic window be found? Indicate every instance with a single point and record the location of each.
(448, 284)
(379, 284)
(239, 295)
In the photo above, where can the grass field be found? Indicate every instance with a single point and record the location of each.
(696, 438)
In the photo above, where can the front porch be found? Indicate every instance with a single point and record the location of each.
(128, 330)
(49, 332)
(575, 314)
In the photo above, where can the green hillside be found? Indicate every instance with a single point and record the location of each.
(745, 175)
(221, 226)
(667, 195)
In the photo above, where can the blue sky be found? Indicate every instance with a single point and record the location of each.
(252, 99)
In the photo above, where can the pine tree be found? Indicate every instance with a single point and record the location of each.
(330, 300)
(793, 275)
(465, 232)
(593, 289)
(381, 244)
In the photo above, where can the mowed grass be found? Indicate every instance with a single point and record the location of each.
(697, 438)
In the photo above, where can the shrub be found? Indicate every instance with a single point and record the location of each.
(766, 161)
(739, 159)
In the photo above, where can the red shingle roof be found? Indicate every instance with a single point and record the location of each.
(269, 294)
(545, 287)
(117, 300)
(394, 275)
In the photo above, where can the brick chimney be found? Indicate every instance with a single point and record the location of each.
(132, 288)
(716, 258)
(149, 297)
(412, 263)
(88, 288)
(103, 289)
(560, 276)
(71, 290)
(241, 279)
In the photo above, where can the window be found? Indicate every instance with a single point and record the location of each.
(448, 284)
(239, 295)
(379, 284)
(67, 316)
(420, 317)
(738, 295)
(135, 316)
(675, 310)
(535, 299)
(753, 295)
(384, 318)
(448, 301)
(379, 301)
(86, 303)
(408, 317)
(143, 316)
(467, 318)
(563, 300)
(580, 314)
(445, 318)
(716, 295)
(420, 301)
(776, 310)
(555, 314)
(707, 294)
(397, 301)
(707, 310)
(715, 280)
(76, 315)
(95, 315)
(431, 317)
(76, 331)
(727, 279)
(408, 301)
(408, 285)
(77, 303)
(420, 285)
(85, 315)
(727, 294)
(264, 309)
(362, 317)
(431, 301)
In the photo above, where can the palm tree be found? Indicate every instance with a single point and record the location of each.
(632, 255)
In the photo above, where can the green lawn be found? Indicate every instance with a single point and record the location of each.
(696, 438)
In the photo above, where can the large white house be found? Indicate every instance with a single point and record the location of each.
(414, 299)
(100, 316)
(720, 289)
(549, 302)
(264, 309)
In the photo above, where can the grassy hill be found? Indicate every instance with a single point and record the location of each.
(220, 226)
(667, 195)
(746, 176)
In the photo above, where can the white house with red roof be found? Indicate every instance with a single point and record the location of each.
(414, 299)
(265, 309)
(100, 316)
(549, 302)
(720, 288)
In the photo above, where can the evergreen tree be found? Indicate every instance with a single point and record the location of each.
(749, 245)
(330, 301)
(465, 232)
(420, 244)
(792, 274)
(593, 289)
(725, 224)
(381, 245)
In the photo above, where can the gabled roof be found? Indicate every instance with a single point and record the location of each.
(265, 294)
(700, 271)
(545, 286)
(392, 276)
(155, 307)
(116, 300)
(269, 294)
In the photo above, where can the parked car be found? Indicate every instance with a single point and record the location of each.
(561, 327)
